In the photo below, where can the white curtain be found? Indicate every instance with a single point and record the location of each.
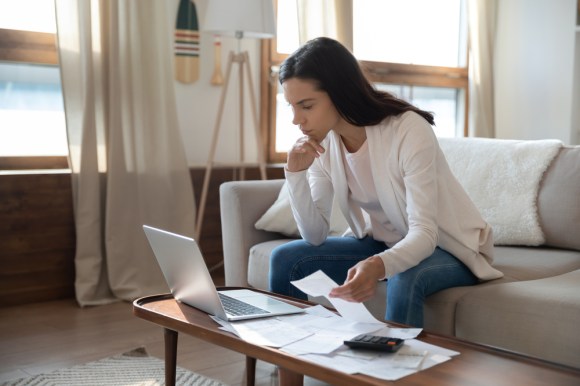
(481, 21)
(330, 18)
(126, 154)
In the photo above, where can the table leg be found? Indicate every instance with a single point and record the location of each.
(170, 338)
(289, 378)
(250, 371)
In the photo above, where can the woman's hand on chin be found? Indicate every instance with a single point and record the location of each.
(303, 153)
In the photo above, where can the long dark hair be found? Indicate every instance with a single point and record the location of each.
(337, 72)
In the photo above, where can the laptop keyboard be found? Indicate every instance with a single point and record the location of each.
(237, 307)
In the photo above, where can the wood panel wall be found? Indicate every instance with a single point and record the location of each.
(36, 238)
(37, 235)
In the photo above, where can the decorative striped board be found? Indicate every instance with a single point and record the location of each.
(186, 43)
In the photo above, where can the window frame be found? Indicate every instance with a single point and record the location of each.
(376, 72)
(19, 46)
(28, 47)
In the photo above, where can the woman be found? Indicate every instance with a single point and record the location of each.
(410, 220)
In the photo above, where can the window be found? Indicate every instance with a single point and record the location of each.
(33, 129)
(415, 49)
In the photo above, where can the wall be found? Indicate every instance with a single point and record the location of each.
(534, 69)
(37, 234)
(37, 238)
(197, 103)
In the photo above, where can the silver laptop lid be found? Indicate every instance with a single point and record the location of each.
(185, 271)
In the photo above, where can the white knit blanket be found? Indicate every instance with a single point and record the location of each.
(503, 177)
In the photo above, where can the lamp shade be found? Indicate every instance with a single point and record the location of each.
(240, 18)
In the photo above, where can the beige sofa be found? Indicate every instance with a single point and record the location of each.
(534, 309)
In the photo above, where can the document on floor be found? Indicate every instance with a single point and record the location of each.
(319, 284)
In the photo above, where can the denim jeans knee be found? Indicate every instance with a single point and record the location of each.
(407, 291)
(297, 259)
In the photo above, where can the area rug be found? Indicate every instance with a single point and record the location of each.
(134, 368)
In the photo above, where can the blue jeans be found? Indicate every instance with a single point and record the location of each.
(406, 291)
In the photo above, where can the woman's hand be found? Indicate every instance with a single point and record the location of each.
(303, 153)
(361, 280)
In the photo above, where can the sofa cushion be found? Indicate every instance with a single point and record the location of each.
(559, 200)
(538, 317)
(439, 310)
(517, 264)
(531, 263)
(259, 263)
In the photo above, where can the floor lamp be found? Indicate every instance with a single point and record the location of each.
(240, 19)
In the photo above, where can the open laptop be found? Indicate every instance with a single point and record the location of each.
(188, 278)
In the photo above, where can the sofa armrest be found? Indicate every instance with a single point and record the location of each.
(242, 203)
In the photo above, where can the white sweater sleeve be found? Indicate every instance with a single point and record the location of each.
(311, 197)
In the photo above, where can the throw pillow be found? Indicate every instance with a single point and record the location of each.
(279, 218)
(503, 177)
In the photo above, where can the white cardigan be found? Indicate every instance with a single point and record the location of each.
(416, 189)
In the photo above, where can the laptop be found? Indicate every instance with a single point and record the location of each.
(189, 280)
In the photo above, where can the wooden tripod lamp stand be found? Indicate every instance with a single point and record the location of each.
(239, 19)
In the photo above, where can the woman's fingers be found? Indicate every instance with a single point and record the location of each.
(303, 153)
(354, 293)
(356, 289)
(360, 283)
(308, 145)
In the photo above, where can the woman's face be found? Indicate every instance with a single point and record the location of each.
(313, 110)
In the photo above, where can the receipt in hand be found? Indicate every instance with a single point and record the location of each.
(319, 284)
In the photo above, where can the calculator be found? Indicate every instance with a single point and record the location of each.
(374, 342)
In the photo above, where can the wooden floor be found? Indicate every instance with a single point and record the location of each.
(42, 337)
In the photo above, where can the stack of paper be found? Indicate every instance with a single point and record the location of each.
(318, 335)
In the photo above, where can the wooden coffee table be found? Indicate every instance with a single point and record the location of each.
(476, 365)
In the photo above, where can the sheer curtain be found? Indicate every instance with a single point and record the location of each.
(481, 21)
(330, 18)
(126, 154)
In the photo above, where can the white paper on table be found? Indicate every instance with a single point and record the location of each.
(319, 284)
(408, 357)
(345, 364)
(321, 320)
(341, 325)
(392, 367)
(321, 311)
(404, 358)
(269, 332)
(431, 348)
(401, 333)
(309, 321)
(385, 372)
(329, 333)
(318, 343)
(433, 355)
(225, 325)
(378, 367)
